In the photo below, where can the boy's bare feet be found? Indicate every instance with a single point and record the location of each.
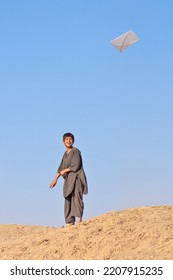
(68, 225)
(79, 220)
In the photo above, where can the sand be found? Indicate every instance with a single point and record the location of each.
(144, 233)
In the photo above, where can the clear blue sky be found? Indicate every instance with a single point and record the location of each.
(58, 73)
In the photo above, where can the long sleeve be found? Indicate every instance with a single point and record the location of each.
(60, 166)
(76, 161)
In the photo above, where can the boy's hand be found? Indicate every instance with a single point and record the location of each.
(63, 172)
(52, 185)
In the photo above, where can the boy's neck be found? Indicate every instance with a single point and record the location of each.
(68, 149)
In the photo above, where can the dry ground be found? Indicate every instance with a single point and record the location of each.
(137, 233)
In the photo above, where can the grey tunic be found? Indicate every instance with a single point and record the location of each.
(73, 160)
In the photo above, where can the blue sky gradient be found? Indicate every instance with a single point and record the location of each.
(58, 73)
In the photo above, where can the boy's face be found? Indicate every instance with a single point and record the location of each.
(68, 142)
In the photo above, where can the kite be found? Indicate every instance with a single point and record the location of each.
(125, 40)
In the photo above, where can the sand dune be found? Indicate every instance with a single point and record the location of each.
(137, 233)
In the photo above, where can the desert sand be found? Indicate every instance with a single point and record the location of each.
(144, 233)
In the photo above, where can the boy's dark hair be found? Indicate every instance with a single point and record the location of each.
(68, 134)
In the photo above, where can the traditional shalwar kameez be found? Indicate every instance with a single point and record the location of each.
(75, 185)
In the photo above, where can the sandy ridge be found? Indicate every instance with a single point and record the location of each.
(136, 233)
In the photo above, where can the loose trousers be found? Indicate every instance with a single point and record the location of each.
(74, 205)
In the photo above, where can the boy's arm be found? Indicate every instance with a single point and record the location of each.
(52, 185)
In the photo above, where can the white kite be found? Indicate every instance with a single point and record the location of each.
(124, 41)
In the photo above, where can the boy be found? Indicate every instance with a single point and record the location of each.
(75, 183)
